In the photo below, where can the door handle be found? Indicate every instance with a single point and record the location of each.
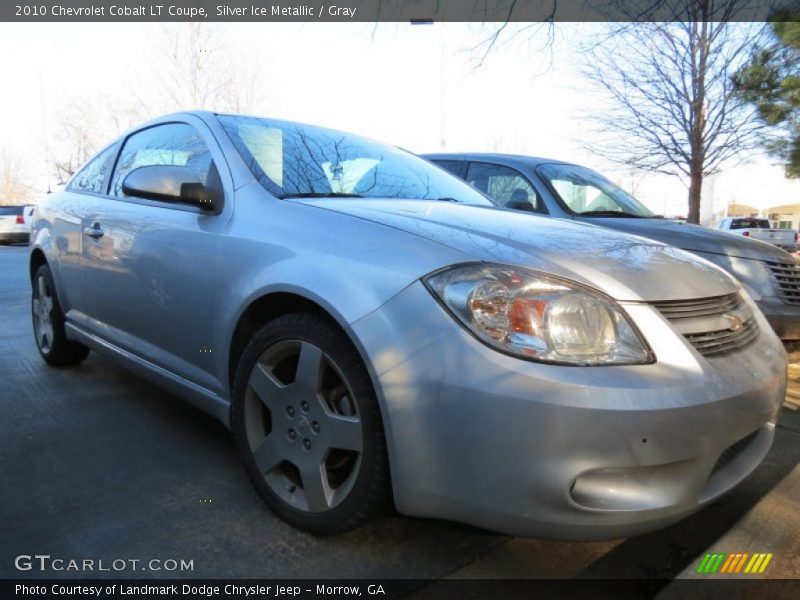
(95, 231)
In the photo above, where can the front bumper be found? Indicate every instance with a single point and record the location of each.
(564, 452)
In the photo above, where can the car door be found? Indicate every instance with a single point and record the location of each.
(504, 184)
(65, 216)
(149, 267)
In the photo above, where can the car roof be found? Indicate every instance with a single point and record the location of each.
(510, 160)
(210, 117)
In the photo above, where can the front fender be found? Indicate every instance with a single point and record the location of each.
(43, 241)
(348, 266)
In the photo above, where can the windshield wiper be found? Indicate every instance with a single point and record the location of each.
(611, 213)
(322, 195)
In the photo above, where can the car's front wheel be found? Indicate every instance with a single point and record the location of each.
(307, 423)
(48, 323)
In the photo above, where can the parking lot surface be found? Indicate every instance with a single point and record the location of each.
(97, 463)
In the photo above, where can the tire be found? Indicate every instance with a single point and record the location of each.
(308, 426)
(48, 323)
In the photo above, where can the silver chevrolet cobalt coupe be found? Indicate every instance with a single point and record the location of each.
(368, 340)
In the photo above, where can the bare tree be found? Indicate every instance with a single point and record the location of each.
(75, 140)
(539, 36)
(668, 100)
(194, 66)
(83, 127)
(15, 181)
(197, 66)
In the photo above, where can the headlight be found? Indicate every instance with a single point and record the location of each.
(539, 317)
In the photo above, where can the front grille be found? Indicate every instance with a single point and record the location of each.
(733, 451)
(714, 326)
(786, 279)
(687, 309)
(723, 341)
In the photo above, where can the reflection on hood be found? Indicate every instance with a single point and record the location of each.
(695, 238)
(625, 267)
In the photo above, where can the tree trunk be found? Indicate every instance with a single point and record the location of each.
(699, 45)
(695, 193)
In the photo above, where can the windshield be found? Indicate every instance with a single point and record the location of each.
(300, 161)
(586, 192)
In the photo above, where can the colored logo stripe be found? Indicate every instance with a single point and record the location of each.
(762, 563)
(727, 564)
(740, 564)
(711, 563)
(736, 562)
(702, 567)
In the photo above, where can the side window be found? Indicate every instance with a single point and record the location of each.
(503, 184)
(92, 177)
(454, 166)
(175, 144)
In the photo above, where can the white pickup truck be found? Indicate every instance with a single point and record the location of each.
(759, 229)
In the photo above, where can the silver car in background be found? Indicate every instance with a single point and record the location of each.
(563, 190)
(369, 340)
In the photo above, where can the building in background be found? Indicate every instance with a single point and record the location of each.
(733, 209)
(786, 216)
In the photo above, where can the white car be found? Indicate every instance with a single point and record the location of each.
(15, 223)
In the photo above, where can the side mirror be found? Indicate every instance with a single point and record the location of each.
(169, 184)
(519, 205)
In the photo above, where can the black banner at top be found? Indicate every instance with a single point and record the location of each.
(420, 11)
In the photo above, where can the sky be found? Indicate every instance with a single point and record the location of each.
(418, 87)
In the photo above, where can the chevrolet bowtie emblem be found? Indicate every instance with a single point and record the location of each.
(735, 322)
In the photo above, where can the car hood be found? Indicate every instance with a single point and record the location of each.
(623, 266)
(694, 238)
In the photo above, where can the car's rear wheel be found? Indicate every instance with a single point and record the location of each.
(48, 323)
(307, 423)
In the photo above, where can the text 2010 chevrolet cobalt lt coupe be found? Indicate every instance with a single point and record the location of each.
(367, 339)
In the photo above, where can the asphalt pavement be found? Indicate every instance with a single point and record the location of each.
(99, 464)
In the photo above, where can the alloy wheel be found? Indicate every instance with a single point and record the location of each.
(42, 308)
(302, 426)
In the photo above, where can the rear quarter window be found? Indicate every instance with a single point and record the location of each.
(454, 166)
(749, 224)
(92, 177)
